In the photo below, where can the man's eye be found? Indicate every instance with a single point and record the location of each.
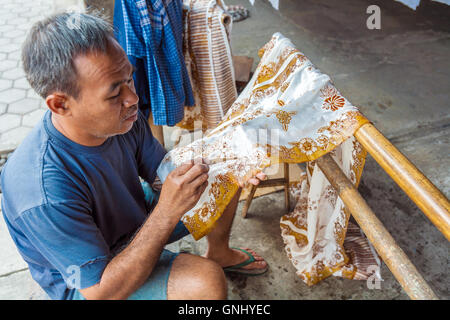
(114, 97)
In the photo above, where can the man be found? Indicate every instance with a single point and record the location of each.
(73, 201)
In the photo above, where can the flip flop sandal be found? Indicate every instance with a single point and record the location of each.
(238, 12)
(237, 268)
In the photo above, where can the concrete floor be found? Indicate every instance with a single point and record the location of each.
(399, 77)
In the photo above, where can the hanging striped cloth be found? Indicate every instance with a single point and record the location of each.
(209, 62)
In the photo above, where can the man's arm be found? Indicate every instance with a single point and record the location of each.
(128, 271)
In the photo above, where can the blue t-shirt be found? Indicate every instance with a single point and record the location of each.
(69, 208)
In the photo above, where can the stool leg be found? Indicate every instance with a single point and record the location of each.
(248, 201)
(286, 186)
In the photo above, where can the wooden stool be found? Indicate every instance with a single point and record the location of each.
(270, 183)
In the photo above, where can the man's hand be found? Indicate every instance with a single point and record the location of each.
(128, 270)
(183, 188)
(260, 176)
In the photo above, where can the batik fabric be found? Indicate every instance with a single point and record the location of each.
(289, 112)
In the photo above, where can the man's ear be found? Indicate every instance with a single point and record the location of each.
(58, 103)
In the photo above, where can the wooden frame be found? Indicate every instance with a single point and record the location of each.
(416, 185)
(427, 197)
(394, 257)
(424, 193)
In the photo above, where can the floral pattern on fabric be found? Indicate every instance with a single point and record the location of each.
(289, 112)
(314, 233)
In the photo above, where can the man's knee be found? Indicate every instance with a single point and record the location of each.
(209, 281)
(195, 277)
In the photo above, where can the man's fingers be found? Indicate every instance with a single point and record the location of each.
(257, 179)
(261, 176)
(201, 189)
(200, 161)
(195, 171)
(199, 180)
(183, 168)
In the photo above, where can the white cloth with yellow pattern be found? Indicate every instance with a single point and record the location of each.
(288, 112)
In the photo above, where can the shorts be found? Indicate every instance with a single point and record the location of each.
(155, 288)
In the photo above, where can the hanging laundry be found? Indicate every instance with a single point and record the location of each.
(209, 62)
(289, 112)
(151, 33)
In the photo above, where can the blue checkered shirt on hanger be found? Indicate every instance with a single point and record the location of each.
(152, 31)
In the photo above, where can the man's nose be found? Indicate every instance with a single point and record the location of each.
(131, 98)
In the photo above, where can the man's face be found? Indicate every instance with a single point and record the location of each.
(107, 103)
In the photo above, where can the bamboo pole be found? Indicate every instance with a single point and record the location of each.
(413, 182)
(394, 257)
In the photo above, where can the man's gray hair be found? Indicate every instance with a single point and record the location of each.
(53, 43)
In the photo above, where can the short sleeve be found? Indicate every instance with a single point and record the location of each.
(66, 235)
(150, 151)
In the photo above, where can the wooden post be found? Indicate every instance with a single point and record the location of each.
(286, 187)
(413, 182)
(157, 131)
(394, 257)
